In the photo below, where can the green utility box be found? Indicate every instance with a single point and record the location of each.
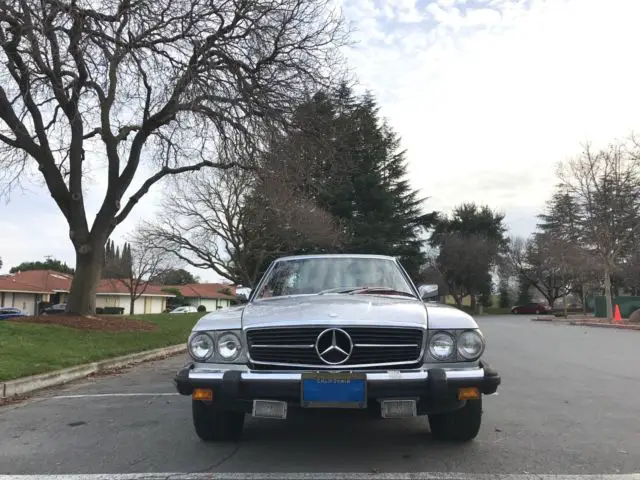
(627, 305)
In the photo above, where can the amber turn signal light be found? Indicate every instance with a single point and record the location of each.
(468, 393)
(202, 394)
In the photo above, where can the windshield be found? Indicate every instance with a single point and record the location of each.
(308, 276)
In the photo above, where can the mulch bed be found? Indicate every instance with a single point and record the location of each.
(98, 322)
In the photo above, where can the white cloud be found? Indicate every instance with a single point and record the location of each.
(487, 100)
(486, 95)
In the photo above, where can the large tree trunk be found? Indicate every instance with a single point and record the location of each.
(132, 304)
(607, 291)
(82, 297)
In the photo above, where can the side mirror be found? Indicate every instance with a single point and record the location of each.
(428, 292)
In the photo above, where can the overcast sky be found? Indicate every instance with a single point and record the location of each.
(487, 97)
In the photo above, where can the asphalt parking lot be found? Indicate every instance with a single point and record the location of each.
(568, 404)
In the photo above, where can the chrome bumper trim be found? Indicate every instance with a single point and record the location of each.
(385, 376)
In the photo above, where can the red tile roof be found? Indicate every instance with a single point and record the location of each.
(205, 290)
(48, 281)
(116, 286)
(39, 281)
(8, 283)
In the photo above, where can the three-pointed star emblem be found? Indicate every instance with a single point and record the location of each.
(334, 346)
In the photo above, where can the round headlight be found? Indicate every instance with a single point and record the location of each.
(229, 346)
(470, 344)
(201, 347)
(442, 346)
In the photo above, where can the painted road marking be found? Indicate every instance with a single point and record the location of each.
(106, 395)
(323, 476)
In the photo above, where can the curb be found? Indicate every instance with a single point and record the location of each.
(32, 383)
(605, 325)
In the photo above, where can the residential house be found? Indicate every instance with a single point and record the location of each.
(116, 293)
(214, 296)
(25, 290)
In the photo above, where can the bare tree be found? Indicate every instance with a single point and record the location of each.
(430, 274)
(145, 264)
(605, 184)
(233, 221)
(537, 261)
(629, 268)
(566, 260)
(120, 85)
(464, 262)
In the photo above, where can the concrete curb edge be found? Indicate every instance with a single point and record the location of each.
(605, 325)
(24, 385)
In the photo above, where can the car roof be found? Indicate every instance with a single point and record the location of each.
(334, 255)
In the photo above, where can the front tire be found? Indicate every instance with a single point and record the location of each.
(460, 425)
(213, 425)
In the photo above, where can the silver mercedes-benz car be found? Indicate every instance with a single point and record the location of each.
(337, 331)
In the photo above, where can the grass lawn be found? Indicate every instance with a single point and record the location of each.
(29, 349)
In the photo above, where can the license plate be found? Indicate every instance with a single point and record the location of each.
(334, 390)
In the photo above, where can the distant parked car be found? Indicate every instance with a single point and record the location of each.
(536, 308)
(184, 309)
(10, 312)
(55, 309)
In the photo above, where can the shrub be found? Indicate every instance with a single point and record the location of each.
(202, 308)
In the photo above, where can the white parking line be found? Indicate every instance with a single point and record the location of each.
(98, 395)
(323, 476)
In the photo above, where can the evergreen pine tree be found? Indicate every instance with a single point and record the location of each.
(366, 188)
(355, 170)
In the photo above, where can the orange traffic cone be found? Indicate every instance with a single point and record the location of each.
(617, 318)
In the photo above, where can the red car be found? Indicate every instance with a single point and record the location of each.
(536, 308)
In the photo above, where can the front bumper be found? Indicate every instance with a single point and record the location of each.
(436, 388)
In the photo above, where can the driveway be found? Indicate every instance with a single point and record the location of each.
(568, 405)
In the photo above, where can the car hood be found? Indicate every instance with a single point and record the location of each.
(335, 309)
(443, 316)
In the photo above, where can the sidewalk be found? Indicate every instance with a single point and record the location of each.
(589, 321)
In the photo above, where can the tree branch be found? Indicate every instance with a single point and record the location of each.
(135, 198)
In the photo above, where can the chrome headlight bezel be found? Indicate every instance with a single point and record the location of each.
(216, 336)
(477, 335)
(193, 338)
(226, 337)
(457, 354)
(445, 336)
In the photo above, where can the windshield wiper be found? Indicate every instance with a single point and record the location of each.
(340, 290)
(380, 290)
(373, 290)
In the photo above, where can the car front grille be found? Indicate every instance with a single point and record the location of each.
(295, 347)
